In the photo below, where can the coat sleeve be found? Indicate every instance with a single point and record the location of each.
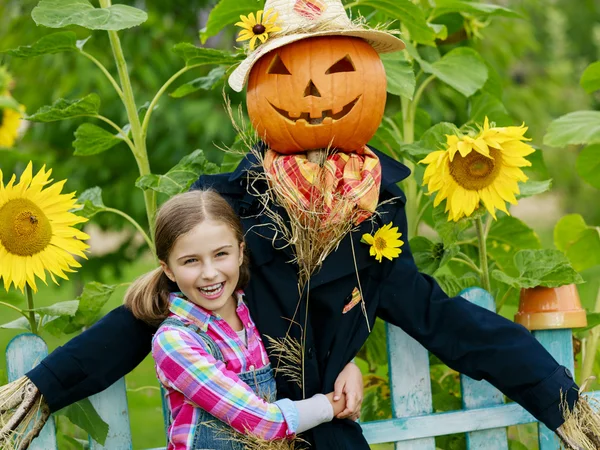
(94, 360)
(473, 340)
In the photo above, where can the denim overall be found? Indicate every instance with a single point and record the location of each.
(211, 433)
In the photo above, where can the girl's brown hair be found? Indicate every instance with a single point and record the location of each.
(148, 296)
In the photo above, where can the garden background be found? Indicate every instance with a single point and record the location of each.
(537, 56)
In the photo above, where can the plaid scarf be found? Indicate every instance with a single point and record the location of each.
(345, 187)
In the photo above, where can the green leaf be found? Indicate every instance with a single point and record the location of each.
(409, 14)
(67, 109)
(435, 137)
(20, 324)
(91, 202)
(68, 308)
(461, 68)
(430, 256)
(90, 139)
(548, 268)
(590, 80)
(531, 188)
(453, 285)
(85, 417)
(579, 127)
(90, 303)
(194, 56)
(11, 297)
(486, 105)
(506, 237)
(468, 7)
(207, 83)
(588, 165)
(227, 12)
(449, 231)
(62, 13)
(579, 241)
(180, 177)
(400, 76)
(593, 320)
(64, 41)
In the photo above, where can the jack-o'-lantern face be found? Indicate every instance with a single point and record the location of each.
(317, 92)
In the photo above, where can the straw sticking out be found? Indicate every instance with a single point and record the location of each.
(23, 413)
(581, 429)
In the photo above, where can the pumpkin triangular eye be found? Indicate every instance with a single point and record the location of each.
(343, 65)
(278, 67)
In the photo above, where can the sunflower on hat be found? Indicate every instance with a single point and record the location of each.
(257, 27)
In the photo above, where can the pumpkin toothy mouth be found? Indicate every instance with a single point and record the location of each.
(327, 116)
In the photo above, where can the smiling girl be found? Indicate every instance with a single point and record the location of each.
(209, 356)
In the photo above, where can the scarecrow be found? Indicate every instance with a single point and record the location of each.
(307, 193)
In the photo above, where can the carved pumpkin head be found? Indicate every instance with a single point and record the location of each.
(315, 92)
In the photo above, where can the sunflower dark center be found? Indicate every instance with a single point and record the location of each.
(2, 117)
(259, 28)
(380, 243)
(475, 171)
(24, 228)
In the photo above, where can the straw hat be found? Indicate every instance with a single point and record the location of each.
(301, 19)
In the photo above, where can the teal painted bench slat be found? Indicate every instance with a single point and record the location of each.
(413, 427)
(22, 354)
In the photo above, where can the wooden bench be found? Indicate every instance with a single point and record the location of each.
(484, 416)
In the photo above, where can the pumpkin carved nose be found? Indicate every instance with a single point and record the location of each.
(311, 89)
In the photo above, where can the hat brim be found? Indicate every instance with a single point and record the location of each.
(381, 41)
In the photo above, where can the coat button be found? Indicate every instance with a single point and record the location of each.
(251, 367)
(568, 373)
(310, 352)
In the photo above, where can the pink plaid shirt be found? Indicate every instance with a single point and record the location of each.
(194, 379)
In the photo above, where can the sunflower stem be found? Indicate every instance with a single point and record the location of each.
(140, 152)
(410, 184)
(470, 264)
(591, 347)
(501, 303)
(30, 305)
(485, 274)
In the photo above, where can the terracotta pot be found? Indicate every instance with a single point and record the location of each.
(543, 308)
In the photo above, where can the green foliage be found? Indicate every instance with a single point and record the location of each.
(588, 165)
(91, 201)
(64, 41)
(579, 241)
(85, 416)
(430, 256)
(214, 79)
(195, 56)
(180, 177)
(411, 15)
(579, 127)
(452, 70)
(549, 268)
(67, 109)
(90, 139)
(227, 12)
(62, 13)
(400, 75)
(590, 80)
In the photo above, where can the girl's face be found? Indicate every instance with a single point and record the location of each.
(205, 263)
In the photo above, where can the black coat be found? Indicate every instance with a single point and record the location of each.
(470, 339)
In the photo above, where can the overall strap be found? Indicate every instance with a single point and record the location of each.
(213, 348)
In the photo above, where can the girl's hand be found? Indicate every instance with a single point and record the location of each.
(350, 383)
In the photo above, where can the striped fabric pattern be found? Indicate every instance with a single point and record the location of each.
(346, 183)
(194, 379)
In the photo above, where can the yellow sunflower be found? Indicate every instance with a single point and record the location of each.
(385, 243)
(10, 120)
(485, 168)
(259, 27)
(36, 230)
